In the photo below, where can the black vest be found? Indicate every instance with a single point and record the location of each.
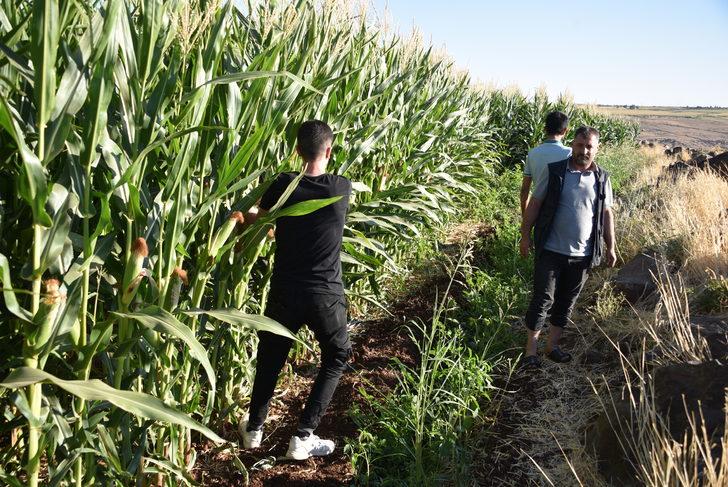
(545, 219)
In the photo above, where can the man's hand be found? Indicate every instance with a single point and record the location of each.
(611, 258)
(525, 245)
(529, 218)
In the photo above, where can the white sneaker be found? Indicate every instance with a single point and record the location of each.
(251, 439)
(313, 446)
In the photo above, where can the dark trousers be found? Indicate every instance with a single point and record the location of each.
(557, 282)
(325, 315)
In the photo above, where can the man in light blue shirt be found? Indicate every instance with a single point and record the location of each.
(551, 150)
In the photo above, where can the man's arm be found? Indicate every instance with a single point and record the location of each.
(529, 219)
(525, 189)
(609, 238)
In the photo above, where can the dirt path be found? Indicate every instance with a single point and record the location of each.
(542, 415)
(376, 344)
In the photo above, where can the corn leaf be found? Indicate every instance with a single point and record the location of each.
(162, 321)
(136, 403)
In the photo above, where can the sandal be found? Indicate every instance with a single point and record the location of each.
(530, 362)
(559, 356)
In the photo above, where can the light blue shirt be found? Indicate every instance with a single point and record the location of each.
(537, 164)
(571, 230)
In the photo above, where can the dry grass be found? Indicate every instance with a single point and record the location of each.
(549, 411)
(661, 461)
(671, 330)
(686, 218)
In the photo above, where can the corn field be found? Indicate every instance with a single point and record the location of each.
(135, 134)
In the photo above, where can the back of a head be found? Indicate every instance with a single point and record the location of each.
(556, 123)
(314, 136)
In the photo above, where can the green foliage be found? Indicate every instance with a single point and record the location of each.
(714, 297)
(413, 435)
(131, 131)
(623, 162)
(459, 351)
(519, 123)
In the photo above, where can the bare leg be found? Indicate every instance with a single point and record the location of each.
(532, 342)
(554, 337)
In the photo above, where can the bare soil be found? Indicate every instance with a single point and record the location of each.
(542, 415)
(376, 344)
(696, 133)
(702, 129)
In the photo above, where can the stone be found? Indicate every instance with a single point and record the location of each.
(634, 280)
(700, 159)
(677, 150)
(719, 164)
(715, 331)
(677, 387)
(695, 387)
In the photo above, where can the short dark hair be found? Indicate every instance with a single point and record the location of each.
(313, 137)
(586, 132)
(556, 123)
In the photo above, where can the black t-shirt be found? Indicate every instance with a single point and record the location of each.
(308, 247)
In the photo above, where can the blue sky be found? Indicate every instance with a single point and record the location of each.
(643, 52)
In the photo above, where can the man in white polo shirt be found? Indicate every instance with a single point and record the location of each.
(535, 172)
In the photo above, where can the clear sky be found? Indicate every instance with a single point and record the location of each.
(644, 52)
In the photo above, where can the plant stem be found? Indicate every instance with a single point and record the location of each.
(34, 391)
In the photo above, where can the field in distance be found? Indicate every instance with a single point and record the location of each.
(696, 128)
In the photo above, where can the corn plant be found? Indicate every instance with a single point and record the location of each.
(135, 136)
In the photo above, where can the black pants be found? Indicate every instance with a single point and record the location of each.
(557, 282)
(326, 316)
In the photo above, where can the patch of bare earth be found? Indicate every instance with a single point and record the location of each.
(697, 133)
(376, 344)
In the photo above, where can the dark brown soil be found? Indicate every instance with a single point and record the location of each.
(376, 344)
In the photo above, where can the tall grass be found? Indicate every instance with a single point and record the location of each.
(135, 134)
(681, 215)
(414, 435)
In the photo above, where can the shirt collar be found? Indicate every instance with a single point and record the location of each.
(549, 141)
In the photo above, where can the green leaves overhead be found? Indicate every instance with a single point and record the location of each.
(237, 318)
(44, 36)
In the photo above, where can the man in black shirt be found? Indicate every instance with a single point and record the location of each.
(306, 288)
